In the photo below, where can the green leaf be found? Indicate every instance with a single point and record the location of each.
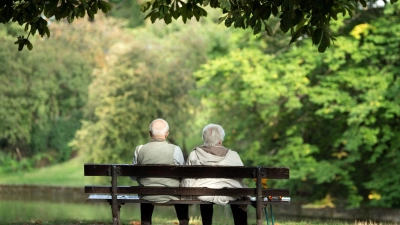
(168, 19)
(196, 12)
(268, 29)
(149, 14)
(33, 29)
(71, 17)
(20, 46)
(175, 13)
(225, 4)
(90, 14)
(203, 12)
(95, 7)
(296, 35)
(274, 10)
(29, 45)
(266, 12)
(145, 6)
(222, 19)
(298, 17)
(228, 22)
(108, 5)
(82, 11)
(154, 16)
(333, 14)
(257, 27)
(47, 31)
(162, 11)
(252, 21)
(102, 7)
(239, 22)
(323, 45)
(317, 36)
(75, 2)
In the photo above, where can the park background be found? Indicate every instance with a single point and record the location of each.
(88, 93)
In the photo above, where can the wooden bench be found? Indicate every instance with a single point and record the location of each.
(117, 195)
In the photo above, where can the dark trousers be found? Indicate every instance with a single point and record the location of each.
(207, 210)
(146, 211)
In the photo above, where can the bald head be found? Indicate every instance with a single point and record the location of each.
(159, 129)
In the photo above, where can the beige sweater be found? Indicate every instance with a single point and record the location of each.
(199, 157)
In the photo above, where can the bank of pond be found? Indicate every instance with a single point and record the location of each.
(19, 203)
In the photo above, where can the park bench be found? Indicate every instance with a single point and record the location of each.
(116, 195)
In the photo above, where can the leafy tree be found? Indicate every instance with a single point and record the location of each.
(332, 118)
(34, 14)
(303, 18)
(41, 106)
(145, 78)
(129, 10)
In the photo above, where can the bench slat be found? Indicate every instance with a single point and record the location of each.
(186, 191)
(186, 171)
(135, 199)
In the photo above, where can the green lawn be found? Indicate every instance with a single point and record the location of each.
(194, 221)
(69, 173)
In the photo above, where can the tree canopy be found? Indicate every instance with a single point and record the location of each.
(333, 118)
(304, 19)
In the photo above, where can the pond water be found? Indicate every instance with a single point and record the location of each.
(43, 203)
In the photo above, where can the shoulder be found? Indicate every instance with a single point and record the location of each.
(177, 148)
(192, 156)
(137, 149)
(234, 158)
(232, 153)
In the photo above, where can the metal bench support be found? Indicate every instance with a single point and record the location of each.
(115, 207)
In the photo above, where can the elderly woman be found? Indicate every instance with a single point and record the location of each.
(214, 153)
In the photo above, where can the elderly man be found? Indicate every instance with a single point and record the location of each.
(159, 151)
(214, 153)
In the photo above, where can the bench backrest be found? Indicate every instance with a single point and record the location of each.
(171, 171)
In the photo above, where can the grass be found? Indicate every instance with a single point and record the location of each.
(69, 173)
(193, 221)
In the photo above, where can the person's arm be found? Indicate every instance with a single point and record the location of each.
(134, 160)
(178, 156)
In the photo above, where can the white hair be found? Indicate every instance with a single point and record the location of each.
(159, 130)
(212, 134)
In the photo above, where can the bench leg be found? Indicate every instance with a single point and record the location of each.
(115, 214)
(259, 198)
(272, 215)
(266, 214)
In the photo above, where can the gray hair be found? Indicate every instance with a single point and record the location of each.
(159, 129)
(212, 134)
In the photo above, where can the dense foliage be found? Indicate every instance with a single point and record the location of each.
(144, 79)
(41, 106)
(304, 19)
(332, 118)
